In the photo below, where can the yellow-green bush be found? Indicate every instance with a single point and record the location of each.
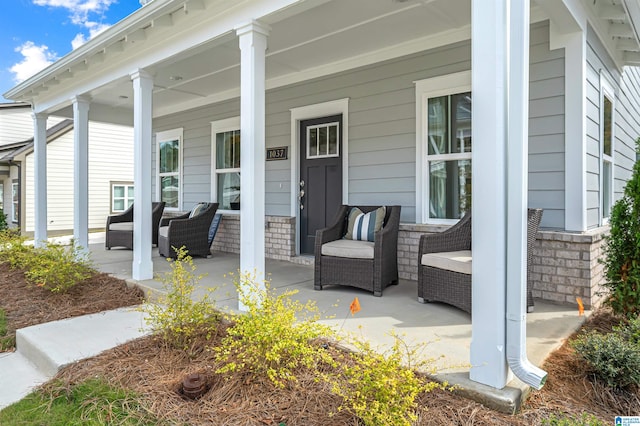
(380, 387)
(177, 317)
(58, 268)
(52, 266)
(275, 337)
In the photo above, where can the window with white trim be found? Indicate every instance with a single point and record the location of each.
(443, 108)
(169, 160)
(121, 196)
(15, 201)
(225, 152)
(2, 196)
(607, 108)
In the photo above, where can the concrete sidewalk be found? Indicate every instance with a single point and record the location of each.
(43, 349)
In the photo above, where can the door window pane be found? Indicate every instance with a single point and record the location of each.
(323, 141)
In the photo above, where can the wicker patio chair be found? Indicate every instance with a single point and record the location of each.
(373, 271)
(119, 229)
(189, 230)
(453, 284)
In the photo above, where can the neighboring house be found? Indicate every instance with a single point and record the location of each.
(374, 102)
(110, 170)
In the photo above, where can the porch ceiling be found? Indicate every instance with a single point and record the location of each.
(301, 45)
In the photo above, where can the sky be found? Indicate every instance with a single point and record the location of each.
(35, 33)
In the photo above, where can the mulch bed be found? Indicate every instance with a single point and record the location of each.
(154, 370)
(27, 305)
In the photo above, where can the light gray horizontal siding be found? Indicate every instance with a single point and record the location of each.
(382, 140)
(546, 127)
(626, 85)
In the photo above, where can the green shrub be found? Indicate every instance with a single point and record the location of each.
(566, 420)
(3, 221)
(58, 268)
(630, 330)
(381, 388)
(276, 336)
(612, 359)
(177, 317)
(622, 249)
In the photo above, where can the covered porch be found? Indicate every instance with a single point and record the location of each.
(184, 72)
(446, 330)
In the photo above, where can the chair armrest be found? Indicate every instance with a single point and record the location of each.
(386, 239)
(182, 225)
(449, 240)
(125, 216)
(334, 231)
(165, 220)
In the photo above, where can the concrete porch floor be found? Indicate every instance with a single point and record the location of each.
(447, 330)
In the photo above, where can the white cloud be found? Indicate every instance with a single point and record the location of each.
(82, 14)
(35, 58)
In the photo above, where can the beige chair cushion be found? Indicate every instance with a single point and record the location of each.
(121, 226)
(348, 248)
(456, 261)
(163, 231)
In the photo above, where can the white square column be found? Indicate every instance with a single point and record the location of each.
(40, 178)
(489, 134)
(253, 44)
(81, 171)
(142, 128)
(575, 157)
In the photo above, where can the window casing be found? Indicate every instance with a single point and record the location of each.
(169, 161)
(2, 196)
(607, 138)
(121, 196)
(225, 153)
(443, 108)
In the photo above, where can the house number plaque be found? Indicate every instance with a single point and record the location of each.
(278, 153)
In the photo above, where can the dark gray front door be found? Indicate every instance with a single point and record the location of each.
(320, 176)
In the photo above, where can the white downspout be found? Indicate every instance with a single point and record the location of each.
(517, 171)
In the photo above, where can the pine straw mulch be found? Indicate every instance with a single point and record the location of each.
(155, 371)
(26, 305)
(152, 369)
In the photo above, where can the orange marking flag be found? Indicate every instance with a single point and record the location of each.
(580, 306)
(355, 306)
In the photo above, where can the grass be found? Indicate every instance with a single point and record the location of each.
(6, 342)
(92, 402)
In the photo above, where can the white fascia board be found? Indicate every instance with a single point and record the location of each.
(151, 52)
